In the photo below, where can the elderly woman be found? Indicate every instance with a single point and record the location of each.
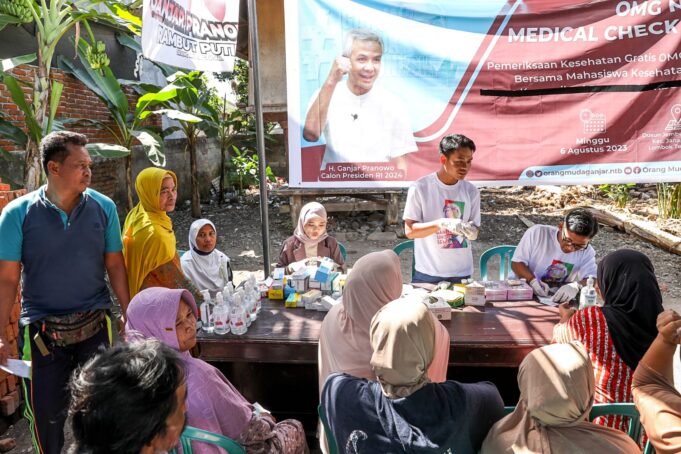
(556, 395)
(203, 264)
(617, 334)
(148, 239)
(403, 411)
(655, 396)
(310, 239)
(213, 404)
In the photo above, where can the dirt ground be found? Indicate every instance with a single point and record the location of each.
(239, 236)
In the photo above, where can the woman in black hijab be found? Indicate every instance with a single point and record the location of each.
(617, 334)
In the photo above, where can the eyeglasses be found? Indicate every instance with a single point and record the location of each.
(568, 242)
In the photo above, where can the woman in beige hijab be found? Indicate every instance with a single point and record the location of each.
(403, 411)
(556, 395)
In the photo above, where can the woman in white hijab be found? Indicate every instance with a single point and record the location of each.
(203, 264)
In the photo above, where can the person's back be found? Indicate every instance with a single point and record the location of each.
(403, 411)
(433, 419)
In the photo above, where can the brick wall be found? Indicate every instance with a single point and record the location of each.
(10, 396)
(77, 101)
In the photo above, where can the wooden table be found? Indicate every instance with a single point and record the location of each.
(498, 335)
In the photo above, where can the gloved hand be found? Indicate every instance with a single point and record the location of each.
(540, 288)
(452, 225)
(566, 292)
(469, 230)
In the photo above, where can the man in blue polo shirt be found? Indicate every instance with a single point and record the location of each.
(62, 240)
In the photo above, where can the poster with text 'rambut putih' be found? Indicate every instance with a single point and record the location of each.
(550, 91)
(192, 34)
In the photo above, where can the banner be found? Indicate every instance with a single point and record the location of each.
(551, 92)
(192, 34)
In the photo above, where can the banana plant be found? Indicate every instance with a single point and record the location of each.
(127, 128)
(52, 20)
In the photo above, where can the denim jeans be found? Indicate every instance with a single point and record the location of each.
(423, 278)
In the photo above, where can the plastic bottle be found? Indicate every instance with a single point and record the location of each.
(206, 312)
(237, 316)
(220, 316)
(587, 297)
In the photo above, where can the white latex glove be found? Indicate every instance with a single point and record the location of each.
(452, 225)
(469, 230)
(540, 288)
(566, 292)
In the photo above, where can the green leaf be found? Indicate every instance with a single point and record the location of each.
(9, 63)
(17, 94)
(152, 145)
(122, 12)
(55, 96)
(6, 19)
(14, 133)
(107, 150)
(177, 115)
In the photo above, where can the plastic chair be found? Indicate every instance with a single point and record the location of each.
(404, 246)
(180, 252)
(190, 434)
(330, 441)
(625, 409)
(344, 254)
(505, 254)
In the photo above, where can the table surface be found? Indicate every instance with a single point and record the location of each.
(499, 334)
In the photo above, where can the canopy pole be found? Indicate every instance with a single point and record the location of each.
(260, 133)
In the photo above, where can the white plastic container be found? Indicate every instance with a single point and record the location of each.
(221, 317)
(237, 316)
(206, 312)
(587, 297)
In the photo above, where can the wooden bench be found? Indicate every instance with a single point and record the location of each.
(370, 199)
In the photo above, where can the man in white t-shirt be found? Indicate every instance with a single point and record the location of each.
(442, 215)
(559, 258)
(360, 122)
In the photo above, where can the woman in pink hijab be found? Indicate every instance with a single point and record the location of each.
(213, 404)
(374, 281)
(310, 239)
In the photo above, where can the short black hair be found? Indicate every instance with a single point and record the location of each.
(121, 398)
(449, 144)
(53, 147)
(581, 222)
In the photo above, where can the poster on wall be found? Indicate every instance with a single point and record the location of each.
(550, 91)
(192, 34)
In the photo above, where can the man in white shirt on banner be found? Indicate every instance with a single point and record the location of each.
(558, 259)
(442, 215)
(361, 122)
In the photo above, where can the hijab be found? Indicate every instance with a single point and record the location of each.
(403, 345)
(309, 211)
(632, 299)
(556, 395)
(213, 404)
(148, 237)
(207, 271)
(344, 346)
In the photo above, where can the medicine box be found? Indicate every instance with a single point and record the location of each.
(331, 284)
(276, 291)
(324, 270)
(278, 274)
(495, 290)
(311, 296)
(328, 302)
(475, 294)
(300, 281)
(519, 292)
(441, 310)
(293, 300)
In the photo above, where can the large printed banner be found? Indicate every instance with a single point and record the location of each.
(193, 34)
(551, 91)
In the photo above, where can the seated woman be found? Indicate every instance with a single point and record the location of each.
(213, 404)
(654, 394)
(310, 239)
(617, 334)
(203, 263)
(148, 239)
(556, 395)
(344, 345)
(404, 411)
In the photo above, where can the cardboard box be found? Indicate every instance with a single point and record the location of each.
(475, 294)
(519, 292)
(324, 270)
(276, 291)
(293, 300)
(441, 310)
(312, 296)
(300, 281)
(495, 290)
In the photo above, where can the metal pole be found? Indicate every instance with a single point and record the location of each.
(259, 133)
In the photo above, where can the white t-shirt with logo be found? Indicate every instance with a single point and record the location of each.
(373, 127)
(540, 250)
(443, 254)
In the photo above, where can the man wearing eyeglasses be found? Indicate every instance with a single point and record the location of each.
(558, 259)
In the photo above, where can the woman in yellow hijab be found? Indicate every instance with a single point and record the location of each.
(148, 239)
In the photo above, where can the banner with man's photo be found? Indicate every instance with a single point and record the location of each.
(550, 91)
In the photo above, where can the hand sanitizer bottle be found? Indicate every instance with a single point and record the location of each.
(221, 316)
(237, 316)
(587, 297)
(206, 312)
